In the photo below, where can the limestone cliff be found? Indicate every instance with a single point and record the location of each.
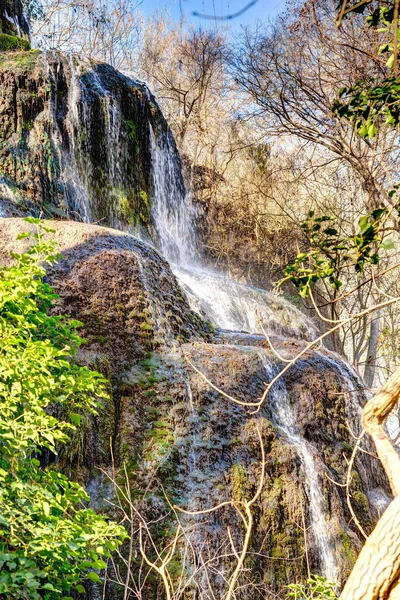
(76, 140)
(14, 28)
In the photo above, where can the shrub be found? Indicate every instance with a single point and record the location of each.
(48, 538)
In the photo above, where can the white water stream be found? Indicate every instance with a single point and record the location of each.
(230, 305)
(308, 455)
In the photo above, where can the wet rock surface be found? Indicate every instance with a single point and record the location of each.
(12, 19)
(75, 140)
(181, 442)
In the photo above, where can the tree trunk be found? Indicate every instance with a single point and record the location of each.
(376, 574)
(378, 564)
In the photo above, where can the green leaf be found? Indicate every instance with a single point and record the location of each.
(387, 245)
(371, 131)
(363, 131)
(75, 418)
(99, 564)
(390, 62)
(93, 577)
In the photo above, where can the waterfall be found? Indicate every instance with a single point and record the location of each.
(76, 189)
(234, 306)
(107, 166)
(172, 210)
(230, 305)
(226, 303)
(80, 173)
(283, 414)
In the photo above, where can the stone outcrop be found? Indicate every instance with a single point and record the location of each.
(13, 23)
(75, 140)
(184, 443)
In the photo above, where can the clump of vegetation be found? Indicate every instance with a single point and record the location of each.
(316, 588)
(18, 60)
(330, 250)
(48, 539)
(12, 42)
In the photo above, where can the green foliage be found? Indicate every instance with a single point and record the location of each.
(316, 588)
(48, 539)
(12, 42)
(365, 104)
(132, 135)
(330, 251)
(370, 102)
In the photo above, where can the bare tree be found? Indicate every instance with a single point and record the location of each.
(105, 31)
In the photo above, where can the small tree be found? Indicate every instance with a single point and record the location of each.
(48, 538)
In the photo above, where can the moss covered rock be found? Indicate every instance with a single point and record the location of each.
(75, 139)
(176, 441)
(13, 22)
(12, 42)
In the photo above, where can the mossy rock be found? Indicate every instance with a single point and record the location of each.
(12, 42)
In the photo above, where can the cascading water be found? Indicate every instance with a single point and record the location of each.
(172, 211)
(308, 455)
(233, 306)
(226, 303)
(88, 151)
(79, 177)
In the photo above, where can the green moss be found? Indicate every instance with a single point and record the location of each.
(11, 42)
(210, 326)
(143, 196)
(131, 127)
(239, 481)
(347, 548)
(124, 207)
(159, 442)
(144, 207)
(361, 501)
(17, 61)
(319, 410)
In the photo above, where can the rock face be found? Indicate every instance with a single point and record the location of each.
(179, 441)
(12, 20)
(78, 140)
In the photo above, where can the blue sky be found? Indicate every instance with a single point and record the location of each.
(263, 9)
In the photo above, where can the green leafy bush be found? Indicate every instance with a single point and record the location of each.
(48, 538)
(375, 100)
(316, 588)
(330, 251)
